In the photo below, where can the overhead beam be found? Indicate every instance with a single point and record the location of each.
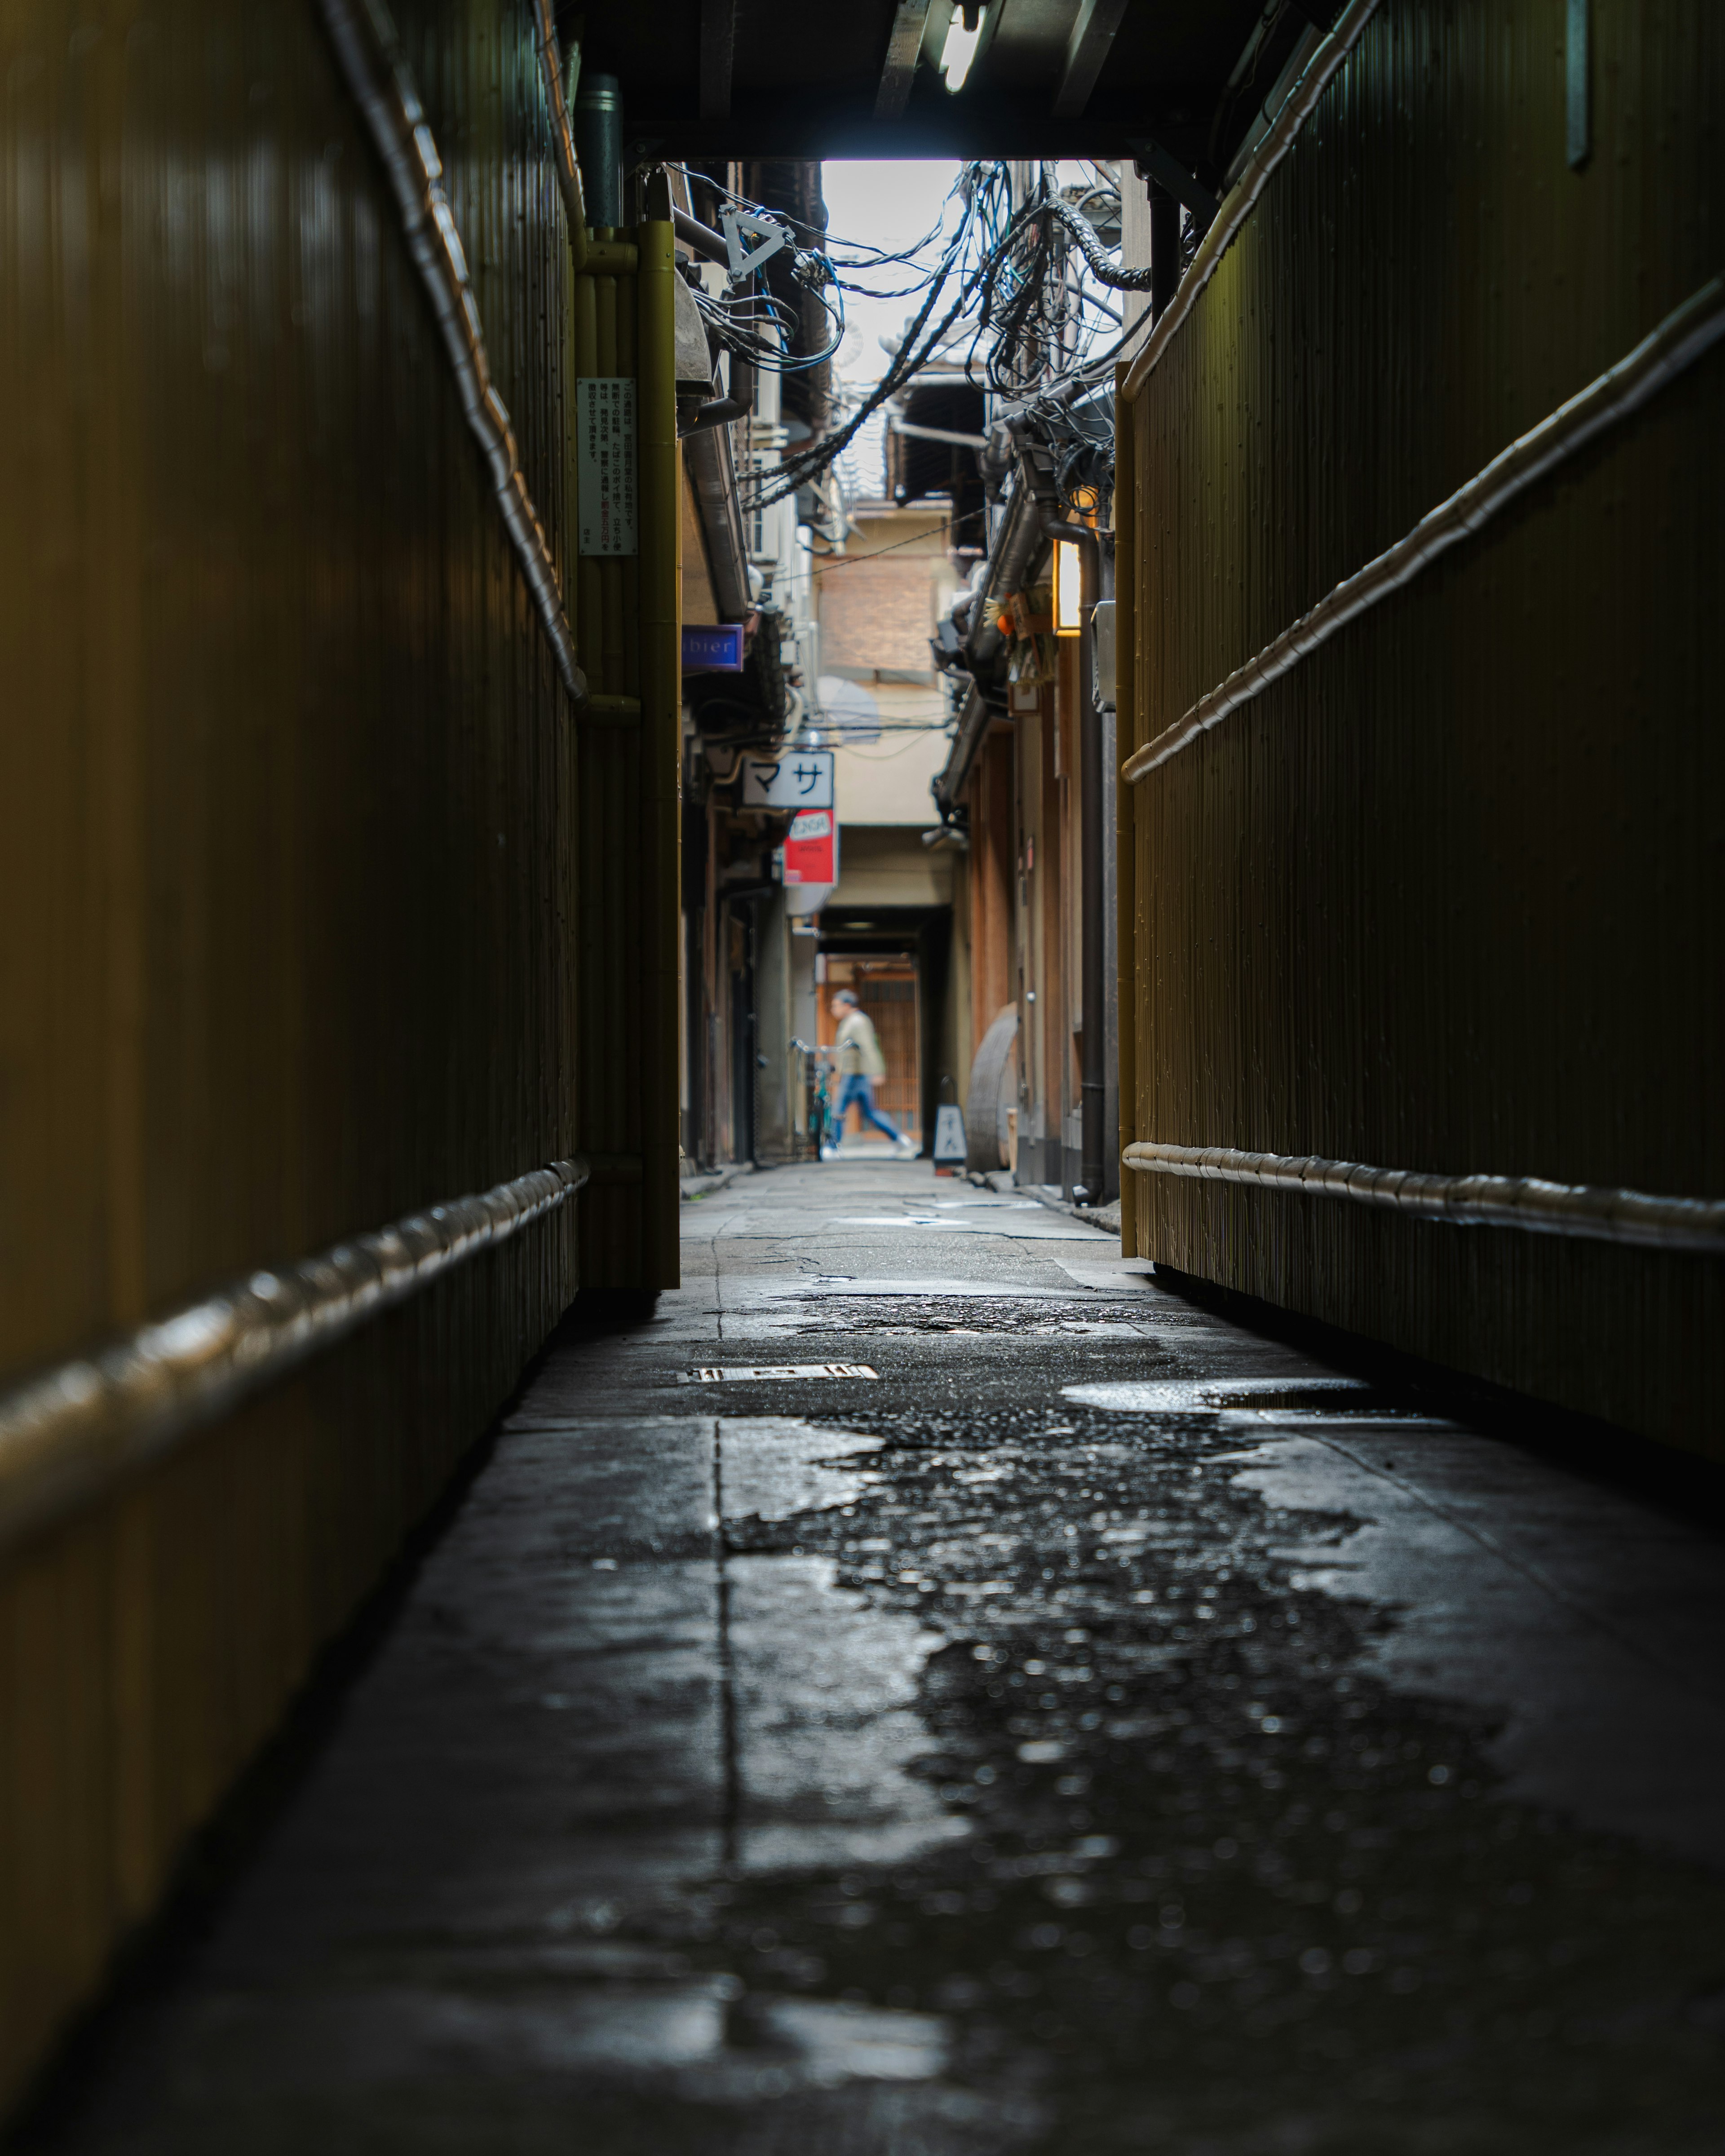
(1087, 49)
(1154, 163)
(825, 122)
(718, 47)
(909, 21)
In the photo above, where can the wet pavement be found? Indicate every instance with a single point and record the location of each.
(1105, 1728)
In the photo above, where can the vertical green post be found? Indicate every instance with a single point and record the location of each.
(1125, 739)
(660, 660)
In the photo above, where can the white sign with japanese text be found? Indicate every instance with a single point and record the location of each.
(800, 778)
(605, 417)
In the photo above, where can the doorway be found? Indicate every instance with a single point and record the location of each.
(888, 989)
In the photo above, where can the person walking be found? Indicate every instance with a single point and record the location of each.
(860, 1062)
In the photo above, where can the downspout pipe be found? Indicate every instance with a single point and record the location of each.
(736, 403)
(1018, 544)
(598, 124)
(1029, 520)
(973, 721)
(1093, 1041)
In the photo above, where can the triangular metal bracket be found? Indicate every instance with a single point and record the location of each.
(740, 224)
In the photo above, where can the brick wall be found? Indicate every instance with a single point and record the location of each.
(878, 613)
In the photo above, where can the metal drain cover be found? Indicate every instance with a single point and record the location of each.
(718, 1374)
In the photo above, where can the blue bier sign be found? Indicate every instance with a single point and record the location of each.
(713, 651)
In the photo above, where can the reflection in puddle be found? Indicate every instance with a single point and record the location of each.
(773, 1467)
(1206, 1396)
(835, 2041)
(821, 1684)
(825, 1685)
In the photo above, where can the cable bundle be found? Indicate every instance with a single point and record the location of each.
(1012, 290)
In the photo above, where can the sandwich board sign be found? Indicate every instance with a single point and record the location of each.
(948, 1138)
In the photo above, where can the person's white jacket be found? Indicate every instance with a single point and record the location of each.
(860, 1047)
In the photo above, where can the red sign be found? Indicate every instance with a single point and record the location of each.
(811, 848)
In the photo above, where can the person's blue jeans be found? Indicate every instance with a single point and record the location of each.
(859, 1087)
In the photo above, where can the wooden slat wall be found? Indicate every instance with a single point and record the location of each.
(1449, 897)
(287, 817)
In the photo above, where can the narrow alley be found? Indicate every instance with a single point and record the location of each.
(862, 1216)
(931, 1688)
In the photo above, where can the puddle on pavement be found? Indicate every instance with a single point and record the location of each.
(1215, 1885)
(822, 1721)
(977, 1316)
(773, 1467)
(1020, 1222)
(834, 2042)
(839, 1307)
(1203, 1395)
(1066, 1811)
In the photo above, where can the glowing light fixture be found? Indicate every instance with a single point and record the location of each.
(963, 34)
(1068, 612)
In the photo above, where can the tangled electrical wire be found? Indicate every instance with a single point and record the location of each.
(763, 328)
(1009, 294)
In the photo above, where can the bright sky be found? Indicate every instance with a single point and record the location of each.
(889, 204)
(885, 204)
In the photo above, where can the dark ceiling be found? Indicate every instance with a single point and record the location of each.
(710, 79)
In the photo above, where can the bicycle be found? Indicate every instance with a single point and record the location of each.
(825, 1127)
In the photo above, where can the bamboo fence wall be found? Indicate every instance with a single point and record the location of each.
(301, 860)
(1448, 896)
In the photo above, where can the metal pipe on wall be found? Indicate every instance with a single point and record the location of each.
(699, 238)
(1683, 336)
(68, 1437)
(599, 141)
(1018, 536)
(1303, 101)
(1591, 1210)
(377, 74)
(562, 143)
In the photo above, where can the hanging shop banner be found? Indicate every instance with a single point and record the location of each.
(605, 419)
(811, 849)
(801, 779)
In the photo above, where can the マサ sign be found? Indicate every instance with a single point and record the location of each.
(801, 779)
